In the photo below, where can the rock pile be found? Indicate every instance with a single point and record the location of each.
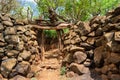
(18, 47)
(95, 44)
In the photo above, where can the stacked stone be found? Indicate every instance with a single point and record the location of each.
(18, 47)
(95, 44)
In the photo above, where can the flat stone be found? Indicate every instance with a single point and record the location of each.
(11, 53)
(75, 48)
(7, 23)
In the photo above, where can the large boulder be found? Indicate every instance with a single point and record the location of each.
(7, 66)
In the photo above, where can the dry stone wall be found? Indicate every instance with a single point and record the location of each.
(96, 45)
(18, 47)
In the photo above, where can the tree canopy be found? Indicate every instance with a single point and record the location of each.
(76, 9)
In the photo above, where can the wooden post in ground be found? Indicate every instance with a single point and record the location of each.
(42, 45)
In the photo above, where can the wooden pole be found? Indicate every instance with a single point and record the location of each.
(42, 45)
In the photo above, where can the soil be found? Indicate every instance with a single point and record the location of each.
(50, 67)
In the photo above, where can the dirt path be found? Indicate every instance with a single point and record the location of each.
(50, 67)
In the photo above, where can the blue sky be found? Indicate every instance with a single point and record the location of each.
(30, 3)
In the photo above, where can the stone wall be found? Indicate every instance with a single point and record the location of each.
(18, 47)
(94, 45)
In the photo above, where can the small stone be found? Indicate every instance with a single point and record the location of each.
(87, 63)
(83, 38)
(117, 36)
(99, 32)
(108, 36)
(91, 41)
(79, 56)
(92, 34)
(7, 23)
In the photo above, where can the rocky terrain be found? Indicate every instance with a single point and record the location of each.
(18, 48)
(92, 49)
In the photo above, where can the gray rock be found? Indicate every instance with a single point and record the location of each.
(23, 68)
(11, 53)
(84, 28)
(25, 55)
(10, 31)
(79, 68)
(7, 23)
(79, 56)
(12, 39)
(7, 66)
(74, 48)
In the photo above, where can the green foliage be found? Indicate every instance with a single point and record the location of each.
(63, 70)
(50, 33)
(77, 9)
